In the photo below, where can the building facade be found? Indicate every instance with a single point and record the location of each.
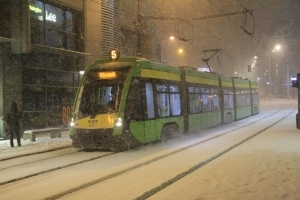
(45, 45)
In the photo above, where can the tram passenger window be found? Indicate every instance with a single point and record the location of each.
(149, 100)
(255, 96)
(239, 100)
(195, 100)
(195, 103)
(215, 100)
(243, 98)
(134, 105)
(206, 104)
(248, 98)
(163, 100)
(226, 99)
(230, 99)
(86, 97)
(175, 100)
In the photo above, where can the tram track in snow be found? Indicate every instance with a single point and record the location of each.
(33, 153)
(54, 168)
(36, 160)
(183, 174)
(201, 164)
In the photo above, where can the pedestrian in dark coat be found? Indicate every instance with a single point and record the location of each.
(12, 119)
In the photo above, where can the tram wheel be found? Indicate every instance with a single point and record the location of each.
(170, 131)
(228, 118)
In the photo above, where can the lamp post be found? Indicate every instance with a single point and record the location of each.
(271, 81)
(287, 76)
(181, 53)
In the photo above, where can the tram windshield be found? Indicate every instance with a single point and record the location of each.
(100, 97)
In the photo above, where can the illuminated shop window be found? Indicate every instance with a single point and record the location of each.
(54, 26)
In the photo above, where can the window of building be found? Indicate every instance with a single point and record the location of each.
(48, 89)
(5, 18)
(55, 26)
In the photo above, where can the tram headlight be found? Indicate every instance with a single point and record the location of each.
(119, 122)
(72, 122)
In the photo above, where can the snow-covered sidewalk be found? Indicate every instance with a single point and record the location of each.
(43, 143)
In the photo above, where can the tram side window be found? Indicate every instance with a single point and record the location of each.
(163, 100)
(86, 101)
(215, 100)
(195, 100)
(243, 97)
(239, 102)
(248, 97)
(175, 100)
(255, 96)
(228, 99)
(149, 100)
(206, 103)
(134, 103)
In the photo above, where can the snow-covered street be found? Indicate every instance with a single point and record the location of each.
(255, 158)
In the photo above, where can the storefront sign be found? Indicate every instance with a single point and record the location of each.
(35, 9)
(50, 16)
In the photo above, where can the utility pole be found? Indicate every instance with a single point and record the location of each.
(139, 26)
(287, 76)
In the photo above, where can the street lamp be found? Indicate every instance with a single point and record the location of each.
(277, 48)
(171, 39)
(180, 51)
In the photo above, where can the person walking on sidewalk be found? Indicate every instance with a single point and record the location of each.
(12, 119)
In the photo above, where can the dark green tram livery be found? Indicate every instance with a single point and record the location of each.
(127, 102)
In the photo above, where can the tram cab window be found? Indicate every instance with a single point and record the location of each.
(108, 96)
(100, 97)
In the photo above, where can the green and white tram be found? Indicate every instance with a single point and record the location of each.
(125, 102)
